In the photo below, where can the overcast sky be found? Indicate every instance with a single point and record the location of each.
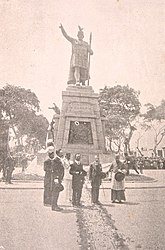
(128, 44)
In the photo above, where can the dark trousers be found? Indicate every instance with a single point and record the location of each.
(95, 194)
(4, 173)
(9, 175)
(47, 195)
(77, 192)
(54, 195)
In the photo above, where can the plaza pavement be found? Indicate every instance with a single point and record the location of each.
(140, 220)
(27, 224)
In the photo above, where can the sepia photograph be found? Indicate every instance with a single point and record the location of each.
(82, 125)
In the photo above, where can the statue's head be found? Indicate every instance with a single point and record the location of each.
(80, 34)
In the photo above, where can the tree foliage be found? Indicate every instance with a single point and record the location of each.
(38, 128)
(120, 105)
(20, 106)
(155, 112)
(154, 119)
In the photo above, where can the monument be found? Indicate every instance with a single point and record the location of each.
(79, 128)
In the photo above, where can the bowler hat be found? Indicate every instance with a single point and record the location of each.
(119, 176)
(60, 187)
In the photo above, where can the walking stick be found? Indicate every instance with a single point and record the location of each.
(90, 41)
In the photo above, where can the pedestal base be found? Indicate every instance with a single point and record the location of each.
(79, 128)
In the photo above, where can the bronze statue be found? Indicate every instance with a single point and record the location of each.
(80, 59)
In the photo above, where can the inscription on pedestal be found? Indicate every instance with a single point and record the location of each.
(78, 107)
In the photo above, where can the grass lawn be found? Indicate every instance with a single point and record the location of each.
(138, 178)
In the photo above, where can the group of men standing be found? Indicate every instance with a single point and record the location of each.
(54, 174)
(54, 168)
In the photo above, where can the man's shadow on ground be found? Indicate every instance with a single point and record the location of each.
(67, 209)
(71, 209)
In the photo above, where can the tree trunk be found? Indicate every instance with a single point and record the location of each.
(132, 129)
(16, 135)
(155, 151)
(139, 151)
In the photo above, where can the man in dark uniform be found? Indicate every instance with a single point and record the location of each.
(141, 164)
(48, 166)
(95, 176)
(78, 177)
(9, 167)
(24, 162)
(56, 179)
(2, 165)
(130, 162)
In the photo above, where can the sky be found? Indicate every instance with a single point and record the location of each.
(128, 40)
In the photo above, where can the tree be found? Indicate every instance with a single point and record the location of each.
(140, 134)
(20, 106)
(120, 105)
(38, 129)
(154, 119)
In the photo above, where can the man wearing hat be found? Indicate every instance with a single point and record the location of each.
(54, 172)
(130, 162)
(50, 143)
(79, 65)
(78, 177)
(48, 166)
(95, 176)
(56, 179)
(118, 174)
(9, 167)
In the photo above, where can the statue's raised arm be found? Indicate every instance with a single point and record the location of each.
(70, 39)
(80, 58)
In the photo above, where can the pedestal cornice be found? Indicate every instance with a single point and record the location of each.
(79, 91)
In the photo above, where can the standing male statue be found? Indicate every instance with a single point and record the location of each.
(79, 64)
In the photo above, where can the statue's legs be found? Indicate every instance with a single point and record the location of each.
(81, 75)
(77, 75)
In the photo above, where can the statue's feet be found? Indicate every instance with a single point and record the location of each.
(77, 84)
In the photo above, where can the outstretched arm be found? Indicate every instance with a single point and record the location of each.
(70, 39)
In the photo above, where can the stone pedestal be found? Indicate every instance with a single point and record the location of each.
(79, 128)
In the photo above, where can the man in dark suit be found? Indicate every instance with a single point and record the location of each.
(54, 172)
(78, 177)
(95, 176)
(56, 179)
(131, 163)
(9, 167)
(48, 166)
